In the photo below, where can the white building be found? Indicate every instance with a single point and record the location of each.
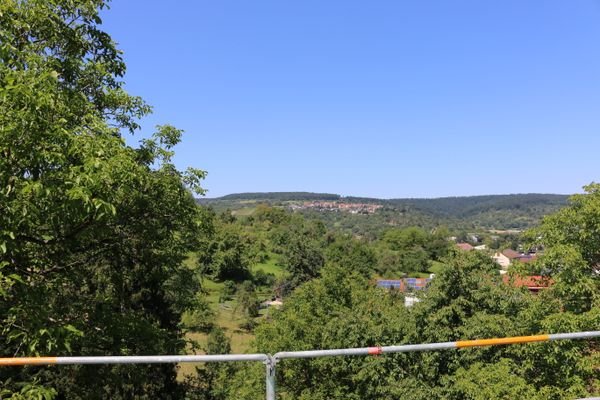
(501, 259)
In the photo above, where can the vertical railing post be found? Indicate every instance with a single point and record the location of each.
(270, 365)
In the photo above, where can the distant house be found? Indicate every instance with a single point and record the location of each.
(534, 283)
(501, 259)
(481, 247)
(508, 256)
(407, 286)
(404, 285)
(464, 246)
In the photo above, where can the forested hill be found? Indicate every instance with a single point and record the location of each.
(452, 207)
(462, 207)
(512, 211)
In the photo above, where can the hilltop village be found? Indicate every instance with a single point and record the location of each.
(337, 206)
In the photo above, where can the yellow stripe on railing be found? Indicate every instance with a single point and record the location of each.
(28, 361)
(497, 341)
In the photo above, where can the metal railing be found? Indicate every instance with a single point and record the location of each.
(271, 361)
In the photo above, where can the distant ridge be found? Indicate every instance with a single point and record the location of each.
(546, 198)
(500, 211)
(460, 207)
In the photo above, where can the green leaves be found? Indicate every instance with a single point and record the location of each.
(92, 232)
(410, 250)
(577, 225)
(193, 178)
(30, 391)
(499, 380)
(226, 255)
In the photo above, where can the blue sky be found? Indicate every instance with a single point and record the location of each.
(372, 98)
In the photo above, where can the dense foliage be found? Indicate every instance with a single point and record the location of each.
(462, 207)
(467, 299)
(92, 232)
(103, 251)
(410, 250)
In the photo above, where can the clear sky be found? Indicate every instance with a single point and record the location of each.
(372, 98)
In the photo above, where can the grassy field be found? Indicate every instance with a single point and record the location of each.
(270, 266)
(436, 267)
(228, 316)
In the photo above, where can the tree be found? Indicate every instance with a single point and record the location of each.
(500, 380)
(93, 232)
(402, 239)
(339, 309)
(577, 225)
(438, 244)
(211, 381)
(467, 300)
(200, 316)
(302, 259)
(247, 299)
(227, 254)
(352, 255)
(410, 250)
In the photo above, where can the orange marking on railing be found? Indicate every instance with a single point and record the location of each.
(27, 361)
(510, 340)
(375, 351)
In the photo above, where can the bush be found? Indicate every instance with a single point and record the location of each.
(249, 324)
(201, 318)
(228, 290)
(262, 278)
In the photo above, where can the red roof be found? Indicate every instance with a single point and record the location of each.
(510, 253)
(465, 246)
(532, 282)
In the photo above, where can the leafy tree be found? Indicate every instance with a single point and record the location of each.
(438, 245)
(351, 254)
(271, 215)
(467, 300)
(211, 380)
(500, 380)
(262, 278)
(336, 310)
(93, 232)
(200, 316)
(411, 250)
(303, 260)
(227, 291)
(227, 254)
(402, 239)
(247, 299)
(577, 225)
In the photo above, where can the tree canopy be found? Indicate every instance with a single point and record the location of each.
(92, 232)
